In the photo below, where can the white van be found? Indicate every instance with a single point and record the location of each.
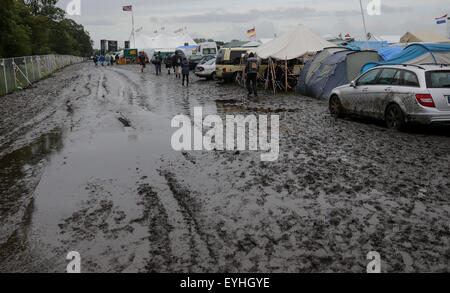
(207, 48)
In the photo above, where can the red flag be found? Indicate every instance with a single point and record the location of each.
(127, 8)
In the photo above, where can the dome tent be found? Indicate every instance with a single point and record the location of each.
(338, 69)
(417, 54)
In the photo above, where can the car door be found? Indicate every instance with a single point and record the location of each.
(378, 93)
(356, 99)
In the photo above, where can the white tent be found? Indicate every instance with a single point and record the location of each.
(163, 41)
(252, 44)
(294, 44)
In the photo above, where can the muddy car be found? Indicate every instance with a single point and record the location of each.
(397, 94)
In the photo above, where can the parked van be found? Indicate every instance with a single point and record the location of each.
(207, 48)
(230, 63)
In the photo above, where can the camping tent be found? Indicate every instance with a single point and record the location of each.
(252, 44)
(320, 77)
(313, 64)
(294, 44)
(418, 54)
(163, 41)
(389, 52)
(424, 37)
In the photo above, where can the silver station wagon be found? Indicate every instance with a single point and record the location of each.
(397, 94)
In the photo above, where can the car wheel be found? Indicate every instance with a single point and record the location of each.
(335, 107)
(395, 119)
(213, 76)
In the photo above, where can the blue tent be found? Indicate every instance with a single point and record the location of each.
(417, 54)
(336, 70)
(389, 52)
(372, 45)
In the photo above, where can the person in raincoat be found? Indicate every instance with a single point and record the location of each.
(108, 59)
(168, 63)
(185, 71)
(142, 60)
(102, 60)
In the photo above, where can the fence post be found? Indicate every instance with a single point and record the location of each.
(4, 73)
(39, 65)
(26, 67)
(14, 71)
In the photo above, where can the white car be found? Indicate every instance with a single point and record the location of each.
(397, 94)
(207, 69)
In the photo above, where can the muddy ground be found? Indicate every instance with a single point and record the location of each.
(86, 165)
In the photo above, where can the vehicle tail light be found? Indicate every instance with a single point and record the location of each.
(201, 69)
(224, 70)
(425, 100)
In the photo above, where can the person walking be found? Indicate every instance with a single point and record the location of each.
(108, 59)
(185, 71)
(168, 63)
(251, 70)
(102, 60)
(176, 62)
(113, 59)
(141, 60)
(96, 60)
(158, 62)
(117, 59)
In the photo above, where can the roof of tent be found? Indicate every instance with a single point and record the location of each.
(372, 45)
(252, 44)
(424, 37)
(390, 52)
(163, 41)
(418, 54)
(294, 44)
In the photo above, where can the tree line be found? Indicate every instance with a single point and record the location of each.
(38, 27)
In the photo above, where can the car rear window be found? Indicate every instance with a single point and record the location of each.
(438, 79)
(235, 57)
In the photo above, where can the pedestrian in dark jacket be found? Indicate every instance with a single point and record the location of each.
(252, 69)
(176, 63)
(158, 62)
(185, 70)
(168, 62)
(142, 60)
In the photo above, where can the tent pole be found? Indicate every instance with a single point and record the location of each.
(286, 73)
(364, 24)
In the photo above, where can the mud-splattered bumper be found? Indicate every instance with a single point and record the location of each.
(429, 118)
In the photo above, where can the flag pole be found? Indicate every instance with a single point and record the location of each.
(364, 24)
(132, 32)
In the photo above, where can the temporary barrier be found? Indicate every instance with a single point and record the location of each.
(17, 73)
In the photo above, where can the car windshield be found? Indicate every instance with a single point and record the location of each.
(438, 79)
(196, 58)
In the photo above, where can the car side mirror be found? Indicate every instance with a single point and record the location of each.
(352, 83)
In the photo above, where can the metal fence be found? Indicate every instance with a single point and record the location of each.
(20, 72)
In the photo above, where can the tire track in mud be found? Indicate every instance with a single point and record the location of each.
(203, 254)
(156, 218)
(135, 91)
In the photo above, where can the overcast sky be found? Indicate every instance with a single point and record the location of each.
(229, 19)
